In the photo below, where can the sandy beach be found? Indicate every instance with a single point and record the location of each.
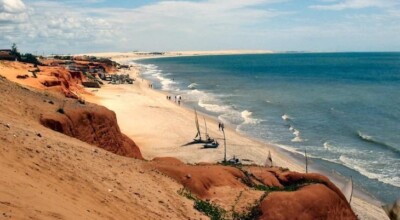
(161, 127)
(129, 56)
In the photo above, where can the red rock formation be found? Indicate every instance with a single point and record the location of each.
(294, 177)
(92, 124)
(200, 179)
(311, 202)
(265, 177)
(318, 198)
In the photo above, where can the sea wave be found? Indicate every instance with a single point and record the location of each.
(248, 119)
(297, 134)
(192, 86)
(327, 145)
(286, 117)
(153, 71)
(357, 165)
(371, 139)
(166, 84)
(214, 107)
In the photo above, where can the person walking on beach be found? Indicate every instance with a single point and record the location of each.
(179, 102)
(219, 126)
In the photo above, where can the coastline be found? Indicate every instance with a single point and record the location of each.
(132, 56)
(160, 127)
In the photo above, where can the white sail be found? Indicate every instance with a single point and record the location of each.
(205, 124)
(197, 125)
(347, 190)
(268, 161)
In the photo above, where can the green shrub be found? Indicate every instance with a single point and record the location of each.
(212, 210)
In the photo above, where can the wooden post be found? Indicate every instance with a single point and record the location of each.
(224, 145)
(306, 160)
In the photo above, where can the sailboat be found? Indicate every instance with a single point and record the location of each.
(197, 138)
(208, 139)
(198, 135)
(213, 144)
(268, 161)
(348, 190)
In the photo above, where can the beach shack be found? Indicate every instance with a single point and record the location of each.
(6, 54)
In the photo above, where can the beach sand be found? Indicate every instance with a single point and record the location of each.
(128, 56)
(160, 127)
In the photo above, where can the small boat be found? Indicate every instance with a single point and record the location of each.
(234, 160)
(197, 138)
(213, 144)
(208, 138)
(198, 135)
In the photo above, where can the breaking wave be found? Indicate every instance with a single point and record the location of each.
(327, 145)
(192, 86)
(358, 165)
(286, 117)
(247, 117)
(371, 139)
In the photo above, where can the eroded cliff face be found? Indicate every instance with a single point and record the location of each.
(92, 124)
(264, 193)
(314, 201)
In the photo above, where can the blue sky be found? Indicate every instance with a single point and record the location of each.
(79, 26)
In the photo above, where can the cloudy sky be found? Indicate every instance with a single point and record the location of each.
(79, 26)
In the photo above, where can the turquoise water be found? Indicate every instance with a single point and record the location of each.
(343, 107)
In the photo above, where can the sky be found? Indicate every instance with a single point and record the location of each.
(81, 26)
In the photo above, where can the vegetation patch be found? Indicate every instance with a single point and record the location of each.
(253, 212)
(212, 210)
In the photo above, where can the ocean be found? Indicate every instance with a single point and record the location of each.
(344, 108)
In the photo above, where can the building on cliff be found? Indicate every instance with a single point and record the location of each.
(5, 54)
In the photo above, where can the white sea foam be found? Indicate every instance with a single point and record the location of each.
(153, 71)
(327, 145)
(214, 107)
(297, 134)
(297, 139)
(166, 84)
(247, 117)
(286, 117)
(359, 165)
(192, 86)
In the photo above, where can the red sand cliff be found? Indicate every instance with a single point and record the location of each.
(313, 197)
(92, 124)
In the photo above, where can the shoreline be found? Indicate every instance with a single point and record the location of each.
(133, 56)
(147, 101)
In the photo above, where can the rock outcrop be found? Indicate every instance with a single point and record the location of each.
(200, 180)
(316, 201)
(282, 194)
(93, 124)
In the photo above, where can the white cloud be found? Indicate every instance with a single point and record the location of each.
(11, 6)
(163, 25)
(12, 11)
(356, 4)
(73, 27)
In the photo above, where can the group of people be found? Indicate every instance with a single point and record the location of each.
(177, 99)
(221, 126)
(151, 85)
